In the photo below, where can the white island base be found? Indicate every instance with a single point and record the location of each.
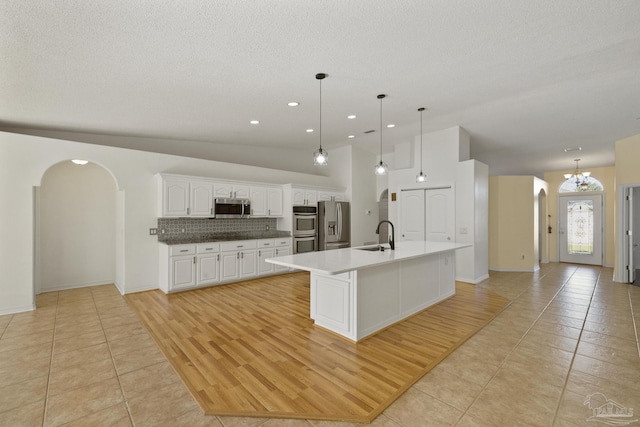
(356, 293)
(359, 303)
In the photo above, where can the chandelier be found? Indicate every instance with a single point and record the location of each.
(580, 178)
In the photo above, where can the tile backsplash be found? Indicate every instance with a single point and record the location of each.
(179, 227)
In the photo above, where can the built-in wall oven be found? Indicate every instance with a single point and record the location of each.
(305, 229)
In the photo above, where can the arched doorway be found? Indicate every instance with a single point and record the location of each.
(75, 227)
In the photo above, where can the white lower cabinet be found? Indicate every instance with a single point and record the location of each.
(265, 268)
(248, 263)
(208, 264)
(283, 247)
(239, 260)
(183, 271)
(229, 266)
(192, 265)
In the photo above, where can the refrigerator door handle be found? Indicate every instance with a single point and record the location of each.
(339, 207)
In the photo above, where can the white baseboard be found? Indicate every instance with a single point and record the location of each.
(515, 270)
(119, 287)
(14, 310)
(140, 289)
(473, 281)
(54, 288)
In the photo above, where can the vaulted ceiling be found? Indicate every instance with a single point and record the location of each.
(525, 78)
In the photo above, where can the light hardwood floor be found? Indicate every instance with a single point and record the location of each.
(83, 358)
(250, 349)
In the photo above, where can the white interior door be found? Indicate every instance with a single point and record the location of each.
(439, 214)
(412, 215)
(427, 214)
(580, 228)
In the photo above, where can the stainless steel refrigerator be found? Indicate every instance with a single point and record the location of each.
(334, 225)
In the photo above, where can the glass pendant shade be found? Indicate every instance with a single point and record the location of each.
(421, 177)
(381, 168)
(320, 157)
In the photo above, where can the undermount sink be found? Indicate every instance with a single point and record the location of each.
(376, 248)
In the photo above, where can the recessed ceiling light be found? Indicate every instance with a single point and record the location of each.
(391, 125)
(309, 130)
(568, 150)
(80, 162)
(255, 122)
(351, 116)
(293, 104)
(351, 136)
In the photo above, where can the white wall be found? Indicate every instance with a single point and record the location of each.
(364, 206)
(445, 162)
(472, 221)
(24, 160)
(354, 167)
(77, 226)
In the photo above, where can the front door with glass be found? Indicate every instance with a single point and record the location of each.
(580, 230)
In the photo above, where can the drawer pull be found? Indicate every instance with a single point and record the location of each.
(184, 250)
(240, 246)
(208, 249)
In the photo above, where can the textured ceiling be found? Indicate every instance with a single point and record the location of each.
(525, 78)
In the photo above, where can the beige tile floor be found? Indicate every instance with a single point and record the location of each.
(83, 359)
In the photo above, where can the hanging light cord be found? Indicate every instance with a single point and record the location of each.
(320, 126)
(421, 110)
(381, 98)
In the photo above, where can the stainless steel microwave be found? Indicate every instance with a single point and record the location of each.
(231, 208)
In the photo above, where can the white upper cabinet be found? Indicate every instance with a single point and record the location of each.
(175, 198)
(331, 196)
(222, 190)
(241, 191)
(266, 201)
(259, 202)
(274, 199)
(229, 190)
(180, 197)
(191, 196)
(201, 202)
(302, 196)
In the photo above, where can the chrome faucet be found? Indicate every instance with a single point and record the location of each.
(393, 233)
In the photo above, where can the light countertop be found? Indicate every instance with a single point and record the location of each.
(342, 260)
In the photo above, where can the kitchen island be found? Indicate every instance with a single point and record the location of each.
(356, 292)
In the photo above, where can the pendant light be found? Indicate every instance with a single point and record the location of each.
(421, 177)
(381, 168)
(320, 157)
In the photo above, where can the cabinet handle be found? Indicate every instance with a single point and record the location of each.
(240, 246)
(194, 260)
(188, 211)
(211, 211)
(242, 255)
(276, 252)
(269, 212)
(184, 250)
(259, 254)
(238, 255)
(218, 257)
(267, 244)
